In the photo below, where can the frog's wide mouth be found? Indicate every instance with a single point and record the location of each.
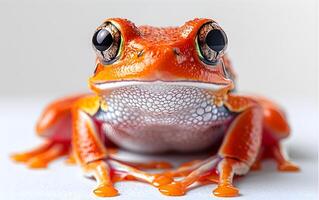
(106, 86)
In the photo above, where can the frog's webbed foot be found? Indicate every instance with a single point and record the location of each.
(275, 152)
(41, 156)
(109, 171)
(283, 164)
(212, 170)
(288, 166)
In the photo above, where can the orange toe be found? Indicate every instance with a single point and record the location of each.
(106, 191)
(288, 167)
(36, 163)
(173, 189)
(161, 180)
(226, 191)
(20, 157)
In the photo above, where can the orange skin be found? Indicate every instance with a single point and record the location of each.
(165, 54)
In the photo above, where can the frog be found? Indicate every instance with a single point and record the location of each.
(157, 90)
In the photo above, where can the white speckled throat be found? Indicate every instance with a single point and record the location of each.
(154, 100)
(141, 117)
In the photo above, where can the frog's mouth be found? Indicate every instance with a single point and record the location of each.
(107, 86)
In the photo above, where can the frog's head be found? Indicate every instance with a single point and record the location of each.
(189, 55)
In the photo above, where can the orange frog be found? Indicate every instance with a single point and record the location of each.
(158, 90)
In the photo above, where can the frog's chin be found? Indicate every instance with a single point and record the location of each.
(109, 86)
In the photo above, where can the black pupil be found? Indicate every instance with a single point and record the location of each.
(215, 40)
(102, 39)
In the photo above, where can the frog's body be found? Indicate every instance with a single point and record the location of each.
(158, 90)
(154, 118)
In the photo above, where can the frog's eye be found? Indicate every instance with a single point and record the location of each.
(107, 42)
(211, 43)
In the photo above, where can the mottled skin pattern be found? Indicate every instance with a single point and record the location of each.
(156, 96)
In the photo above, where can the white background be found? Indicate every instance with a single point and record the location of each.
(45, 52)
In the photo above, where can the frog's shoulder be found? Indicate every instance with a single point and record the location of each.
(89, 104)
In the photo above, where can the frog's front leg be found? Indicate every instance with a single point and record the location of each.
(237, 153)
(94, 158)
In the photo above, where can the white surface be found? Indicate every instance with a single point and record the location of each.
(46, 45)
(60, 181)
